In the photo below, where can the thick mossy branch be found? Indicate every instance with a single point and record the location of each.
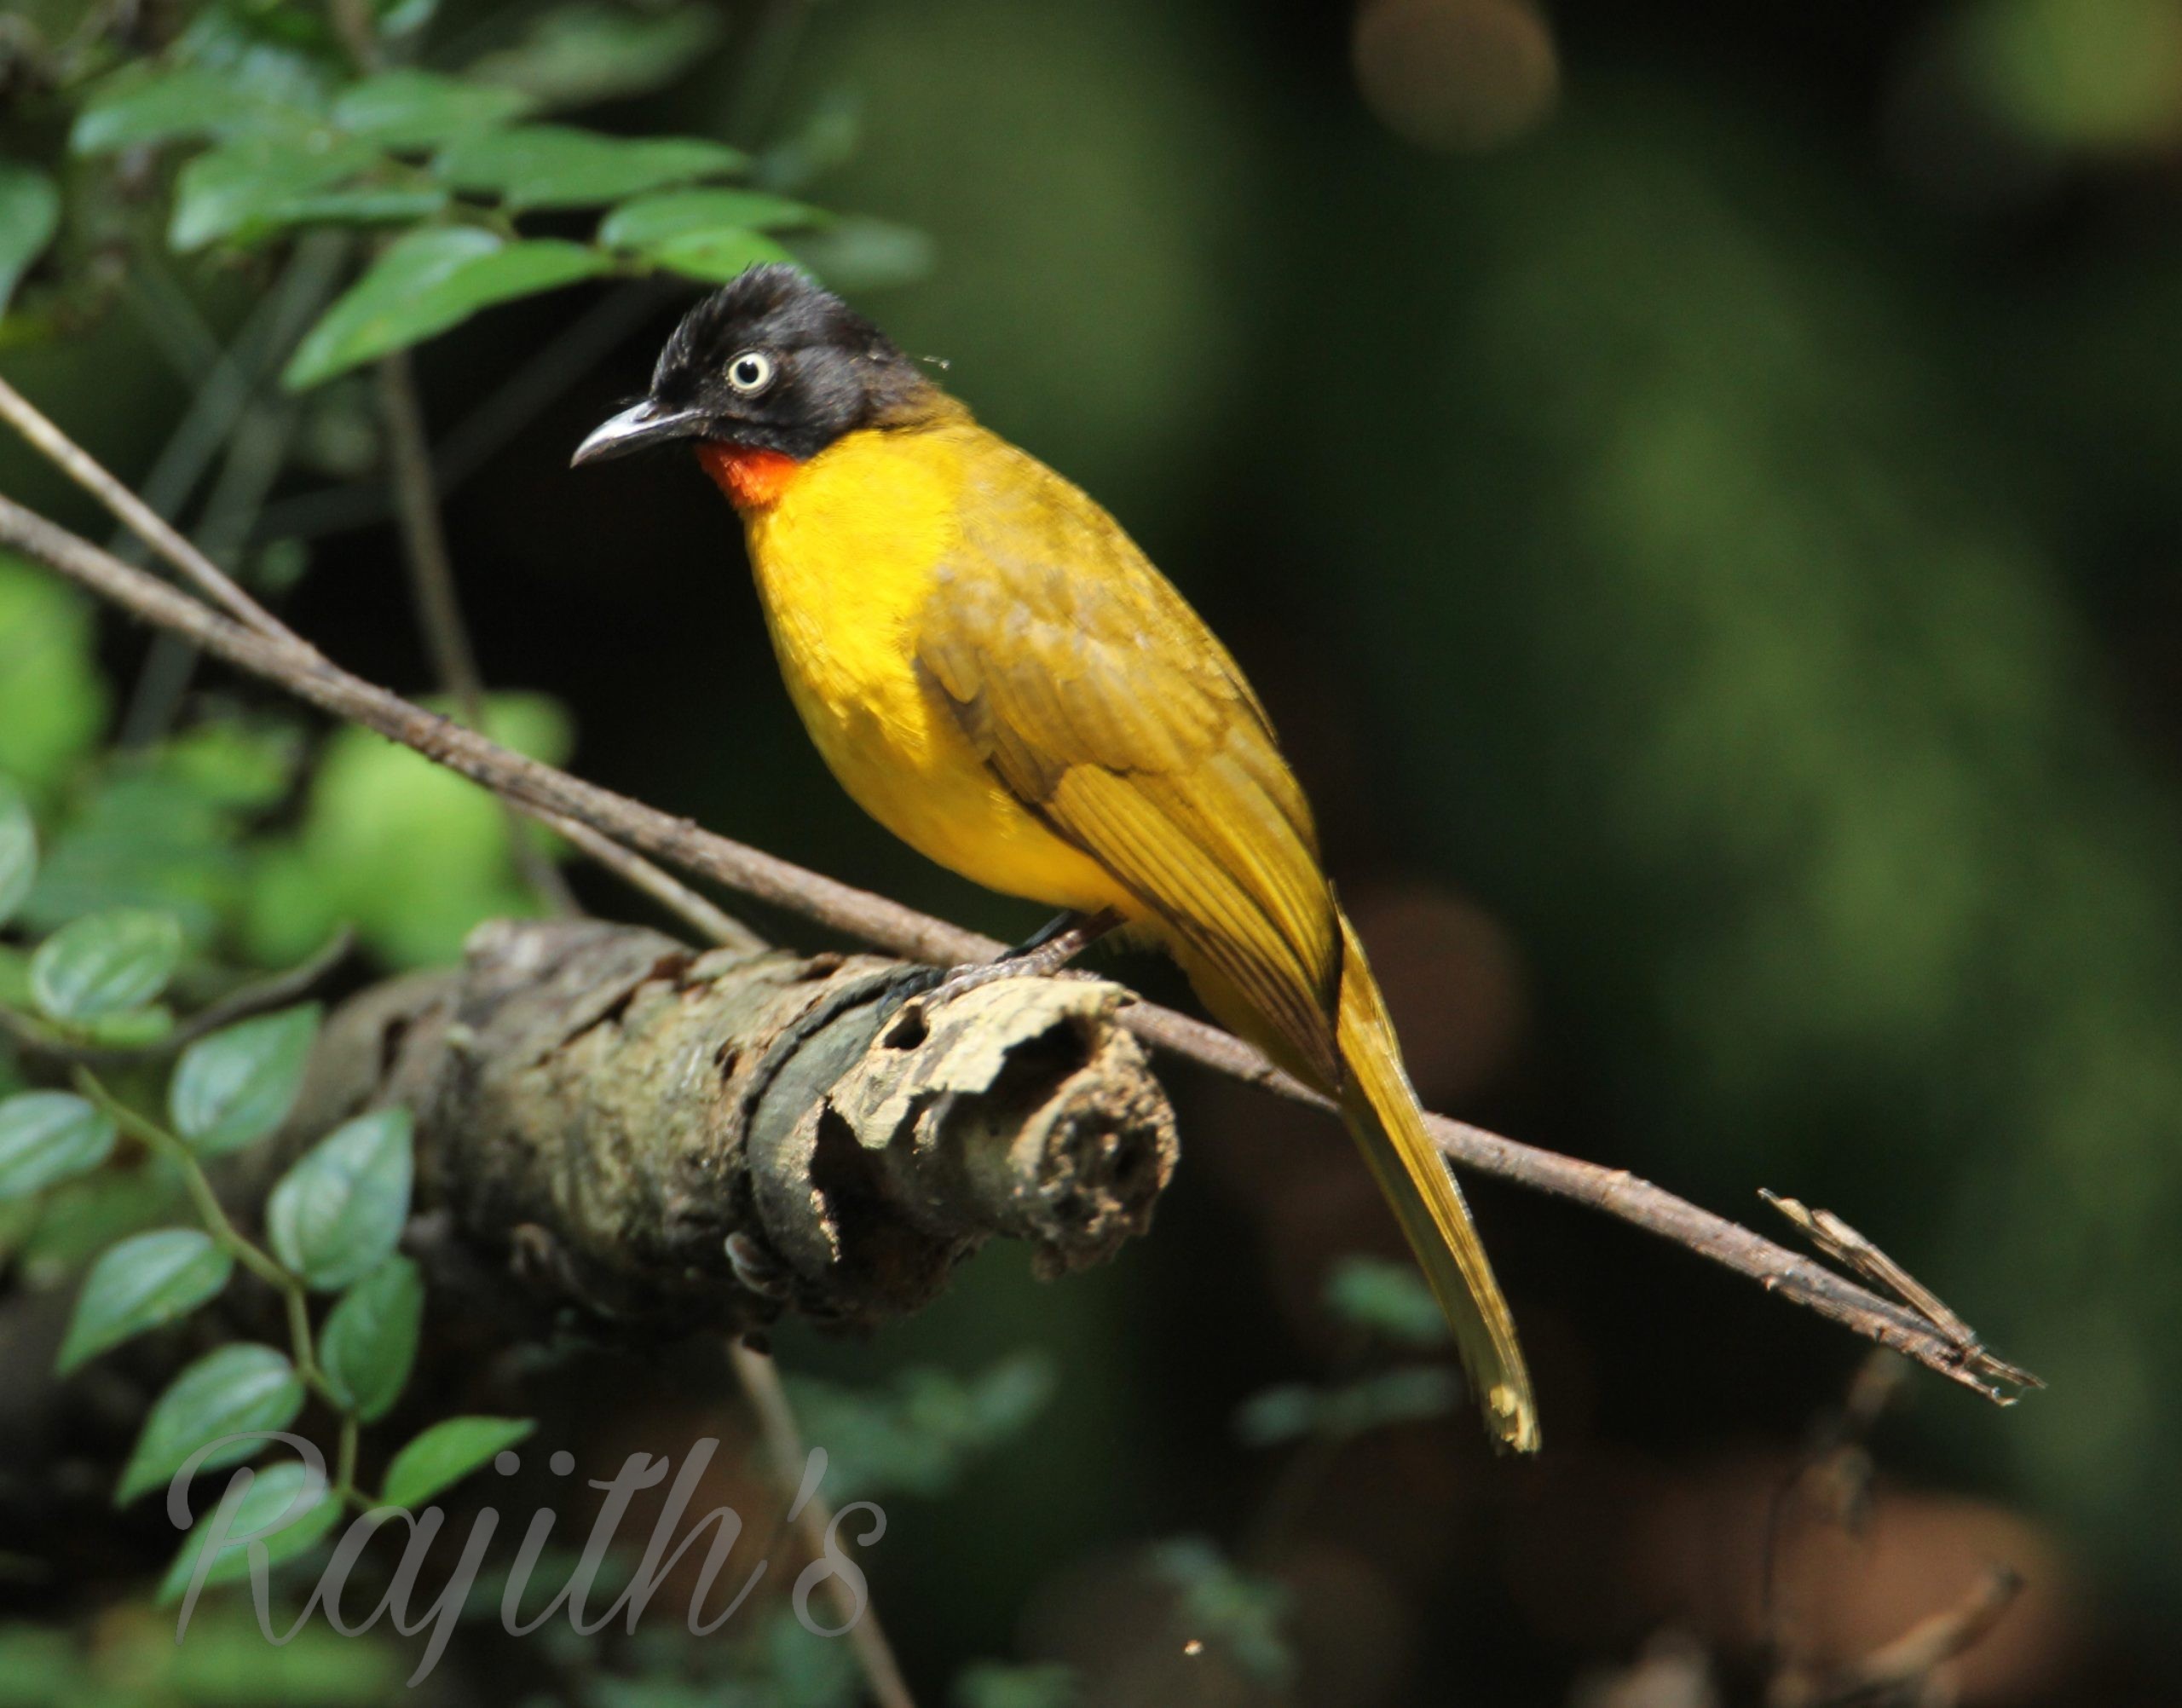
(684, 1140)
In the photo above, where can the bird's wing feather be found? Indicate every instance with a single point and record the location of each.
(1102, 702)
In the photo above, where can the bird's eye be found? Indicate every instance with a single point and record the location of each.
(750, 372)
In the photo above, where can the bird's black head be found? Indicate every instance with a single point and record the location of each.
(771, 362)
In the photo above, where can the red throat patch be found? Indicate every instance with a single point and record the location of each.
(753, 480)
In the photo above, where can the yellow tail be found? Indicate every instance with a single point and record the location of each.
(1382, 1112)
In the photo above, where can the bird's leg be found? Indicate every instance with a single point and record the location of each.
(1053, 944)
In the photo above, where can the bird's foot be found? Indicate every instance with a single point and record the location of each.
(1046, 951)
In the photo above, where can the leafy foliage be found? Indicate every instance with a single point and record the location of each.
(1219, 1604)
(279, 138)
(18, 850)
(408, 853)
(52, 699)
(993, 1684)
(1387, 1300)
(30, 213)
(915, 1437)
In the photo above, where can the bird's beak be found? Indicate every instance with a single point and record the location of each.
(634, 428)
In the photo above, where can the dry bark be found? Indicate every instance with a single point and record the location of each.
(672, 1140)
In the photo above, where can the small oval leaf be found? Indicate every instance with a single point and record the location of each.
(370, 1338)
(289, 1494)
(49, 1136)
(141, 1283)
(338, 1213)
(232, 1391)
(106, 963)
(448, 1452)
(234, 1087)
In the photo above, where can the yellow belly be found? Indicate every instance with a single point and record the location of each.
(844, 562)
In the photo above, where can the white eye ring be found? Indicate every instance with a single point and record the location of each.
(750, 372)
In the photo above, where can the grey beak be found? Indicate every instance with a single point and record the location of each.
(634, 428)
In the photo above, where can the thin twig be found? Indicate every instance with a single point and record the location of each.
(473, 442)
(701, 916)
(888, 925)
(761, 1385)
(431, 588)
(1857, 1255)
(80, 466)
(224, 397)
(1902, 1667)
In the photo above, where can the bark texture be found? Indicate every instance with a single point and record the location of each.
(674, 1140)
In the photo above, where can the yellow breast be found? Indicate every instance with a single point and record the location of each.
(845, 560)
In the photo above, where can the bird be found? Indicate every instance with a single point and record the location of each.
(995, 671)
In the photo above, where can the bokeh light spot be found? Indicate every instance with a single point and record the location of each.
(1463, 75)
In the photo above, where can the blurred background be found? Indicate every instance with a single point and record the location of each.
(1697, 486)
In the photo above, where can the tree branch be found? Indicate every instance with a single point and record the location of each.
(291, 663)
(674, 1141)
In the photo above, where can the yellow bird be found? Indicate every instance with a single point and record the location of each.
(997, 675)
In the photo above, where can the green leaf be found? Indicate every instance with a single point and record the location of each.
(18, 850)
(448, 1452)
(234, 1087)
(14, 978)
(134, 1028)
(105, 963)
(553, 166)
(1395, 1396)
(417, 109)
(30, 213)
(1388, 1300)
(364, 205)
(854, 253)
(587, 52)
(370, 1338)
(410, 854)
(149, 104)
(424, 283)
(235, 1391)
(255, 184)
(253, 1500)
(993, 1684)
(1243, 1615)
(50, 1136)
(714, 257)
(139, 1285)
(917, 1436)
(338, 1213)
(685, 213)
